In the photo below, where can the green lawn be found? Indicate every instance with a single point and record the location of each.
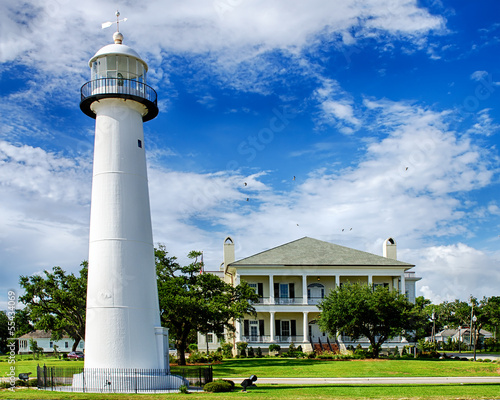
(280, 392)
(280, 367)
(275, 367)
(305, 368)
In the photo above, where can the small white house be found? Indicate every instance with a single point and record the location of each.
(44, 341)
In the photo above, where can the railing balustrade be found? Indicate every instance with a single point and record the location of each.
(256, 339)
(118, 86)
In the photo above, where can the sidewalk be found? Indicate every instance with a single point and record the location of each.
(373, 381)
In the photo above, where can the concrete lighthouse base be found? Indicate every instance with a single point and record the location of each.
(116, 380)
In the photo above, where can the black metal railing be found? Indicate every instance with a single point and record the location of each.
(121, 380)
(288, 300)
(129, 87)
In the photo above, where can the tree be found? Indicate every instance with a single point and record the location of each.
(491, 309)
(56, 302)
(4, 332)
(421, 318)
(360, 310)
(192, 302)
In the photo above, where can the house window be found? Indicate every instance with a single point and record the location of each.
(285, 328)
(51, 345)
(81, 345)
(139, 143)
(253, 286)
(315, 291)
(210, 338)
(66, 345)
(284, 290)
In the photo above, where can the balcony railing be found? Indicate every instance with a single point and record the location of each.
(288, 300)
(122, 88)
(289, 338)
(256, 339)
(314, 300)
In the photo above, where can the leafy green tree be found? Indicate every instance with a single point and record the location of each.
(4, 332)
(56, 302)
(421, 318)
(360, 310)
(491, 310)
(192, 302)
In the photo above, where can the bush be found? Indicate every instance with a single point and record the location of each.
(183, 389)
(251, 353)
(215, 356)
(242, 348)
(192, 347)
(273, 348)
(258, 352)
(197, 357)
(172, 359)
(218, 386)
(227, 350)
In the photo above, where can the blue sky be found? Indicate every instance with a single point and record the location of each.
(385, 112)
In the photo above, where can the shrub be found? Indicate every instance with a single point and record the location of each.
(258, 352)
(227, 350)
(218, 386)
(273, 348)
(251, 353)
(192, 347)
(183, 389)
(242, 348)
(197, 357)
(172, 359)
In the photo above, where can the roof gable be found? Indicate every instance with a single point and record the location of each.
(308, 251)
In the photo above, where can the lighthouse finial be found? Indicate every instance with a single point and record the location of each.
(117, 36)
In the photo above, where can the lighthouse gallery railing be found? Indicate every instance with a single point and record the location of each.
(123, 86)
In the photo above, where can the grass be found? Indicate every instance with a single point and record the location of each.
(281, 367)
(275, 367)
(305, 368)
(317, 392)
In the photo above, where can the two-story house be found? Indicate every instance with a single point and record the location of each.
(293, 278)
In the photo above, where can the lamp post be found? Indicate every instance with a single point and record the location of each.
(474, 319)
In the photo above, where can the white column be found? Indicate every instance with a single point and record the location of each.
(271, 289)
(370, 280)
(403, 284)
(306, 327)
(238, 331)
(272, 325)
(304, 289)
(335, 281)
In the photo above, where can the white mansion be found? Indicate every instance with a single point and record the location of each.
(292, 278)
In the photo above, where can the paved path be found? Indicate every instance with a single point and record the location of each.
(373, 381)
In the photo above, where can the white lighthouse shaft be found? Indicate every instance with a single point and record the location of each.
(122, 299)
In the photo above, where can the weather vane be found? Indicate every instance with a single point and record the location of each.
(108, 24)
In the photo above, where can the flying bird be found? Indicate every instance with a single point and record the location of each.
(245, 183)
(294, 177)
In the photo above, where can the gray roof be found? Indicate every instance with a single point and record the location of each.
(313, 252)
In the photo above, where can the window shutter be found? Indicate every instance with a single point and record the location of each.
(293, 327)
(246, 327)
(291, 290)
(276, 290)
(260, 289)
(277, 325)
(261, 327)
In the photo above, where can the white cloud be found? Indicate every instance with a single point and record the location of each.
(457, 272)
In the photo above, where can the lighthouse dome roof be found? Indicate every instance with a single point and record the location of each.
(117, 49)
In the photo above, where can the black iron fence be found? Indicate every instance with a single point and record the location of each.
(121, 380)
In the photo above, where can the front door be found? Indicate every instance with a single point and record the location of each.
(315, 334)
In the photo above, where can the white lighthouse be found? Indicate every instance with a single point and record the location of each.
(123, 330)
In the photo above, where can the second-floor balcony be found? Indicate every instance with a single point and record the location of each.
(289, 300)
